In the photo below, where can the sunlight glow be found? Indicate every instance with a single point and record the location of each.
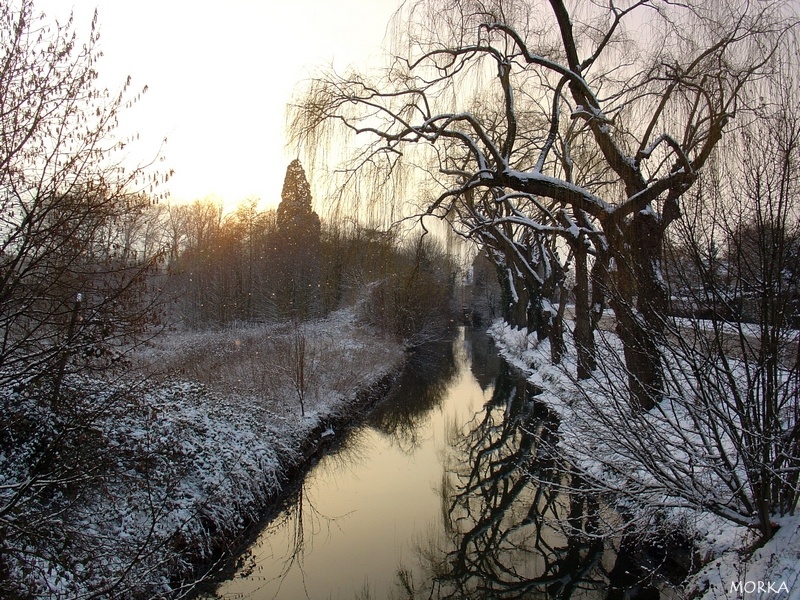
(219, 77)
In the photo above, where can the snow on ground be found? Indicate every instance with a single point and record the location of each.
(731, 571)
(181, 462)
(772, 570)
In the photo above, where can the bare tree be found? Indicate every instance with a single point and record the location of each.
(73, 296)
(63, 201)
(726, 439)
(558, 107)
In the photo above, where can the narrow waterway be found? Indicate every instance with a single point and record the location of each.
(450, 490)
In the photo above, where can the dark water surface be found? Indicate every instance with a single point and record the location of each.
(450, 490)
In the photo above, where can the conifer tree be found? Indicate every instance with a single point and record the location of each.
(297, 246)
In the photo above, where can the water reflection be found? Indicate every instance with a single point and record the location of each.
(453, 489)
(421, 387)
(485, 363)
(511, 529)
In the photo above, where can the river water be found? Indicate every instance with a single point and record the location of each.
(451, 489)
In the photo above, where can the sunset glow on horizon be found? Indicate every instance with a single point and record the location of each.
(219, 79)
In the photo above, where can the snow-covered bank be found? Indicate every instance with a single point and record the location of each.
(772, 570)
(174, 468)
(602, 448)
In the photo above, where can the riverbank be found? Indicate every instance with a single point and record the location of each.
(727, 563)
(180, 462)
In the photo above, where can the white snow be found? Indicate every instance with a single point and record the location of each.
(191, 463)
(719, 541)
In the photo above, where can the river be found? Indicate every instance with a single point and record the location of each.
(451, 489)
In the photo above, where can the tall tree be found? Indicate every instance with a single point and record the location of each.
(297, 247)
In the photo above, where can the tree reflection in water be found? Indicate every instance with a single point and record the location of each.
(459, 466)
(517, 524)
(484, 361)
(420, 388)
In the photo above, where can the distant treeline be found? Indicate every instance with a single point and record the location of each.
(259, 265)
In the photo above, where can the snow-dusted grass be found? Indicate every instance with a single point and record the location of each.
(662, 465)
(170, 470)
(257, 363)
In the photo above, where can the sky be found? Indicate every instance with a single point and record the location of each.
(219, 76)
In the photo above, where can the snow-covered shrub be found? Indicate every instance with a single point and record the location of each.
(702, 449)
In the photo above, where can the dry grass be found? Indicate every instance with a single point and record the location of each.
(260, 363)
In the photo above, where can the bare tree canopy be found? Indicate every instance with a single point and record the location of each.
(66, 201)
(582, 120)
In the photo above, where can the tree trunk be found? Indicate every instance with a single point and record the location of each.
(514, 311)
(62, 361)
(639, 298)
(584, 329)
(557, 346)
(642, 359)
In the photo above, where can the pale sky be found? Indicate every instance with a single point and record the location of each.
(219, 76)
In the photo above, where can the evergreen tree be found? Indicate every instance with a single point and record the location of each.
(296, 217)
(297, 247)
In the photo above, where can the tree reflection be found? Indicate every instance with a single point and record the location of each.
(485, 362)
(421, 387)
(517, 523)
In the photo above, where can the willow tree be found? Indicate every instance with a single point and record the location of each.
(598, 115)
